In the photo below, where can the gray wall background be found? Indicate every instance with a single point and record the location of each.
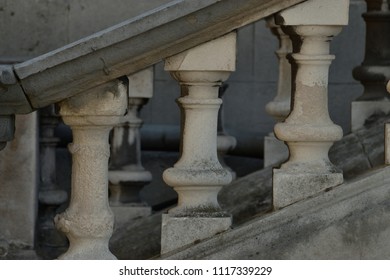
(30, 28)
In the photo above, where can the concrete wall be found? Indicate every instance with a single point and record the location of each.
(31, 28)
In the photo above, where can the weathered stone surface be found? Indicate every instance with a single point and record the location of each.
(349, 222)
(248, 196)
(334, 12)
(261, 65)
(53, 25)
(198, 176)
(308, 131)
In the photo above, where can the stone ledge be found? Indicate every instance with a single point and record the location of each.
(174, 231)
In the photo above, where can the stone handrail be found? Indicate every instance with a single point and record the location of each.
(124, 49)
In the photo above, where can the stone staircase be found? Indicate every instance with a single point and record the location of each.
(249, 199)
(303, 208)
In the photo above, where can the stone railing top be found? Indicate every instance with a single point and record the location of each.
(124, 49)
(334, 13)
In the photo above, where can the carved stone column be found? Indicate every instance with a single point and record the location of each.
(198, 176)
(127, 176)
(275, 150)
(88, 222)
(374, 72)
(308, 131)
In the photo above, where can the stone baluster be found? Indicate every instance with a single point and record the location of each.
(88, 222)
(308, 131)
(374, 72)
(275, 151)
(51, 196)
(198, 176)
(127, 176)
(225, 142)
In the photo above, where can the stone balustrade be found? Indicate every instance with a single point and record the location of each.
(300, 106)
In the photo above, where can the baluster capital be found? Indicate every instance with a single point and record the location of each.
(103, 105)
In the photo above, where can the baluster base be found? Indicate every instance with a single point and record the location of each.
(291, 186)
